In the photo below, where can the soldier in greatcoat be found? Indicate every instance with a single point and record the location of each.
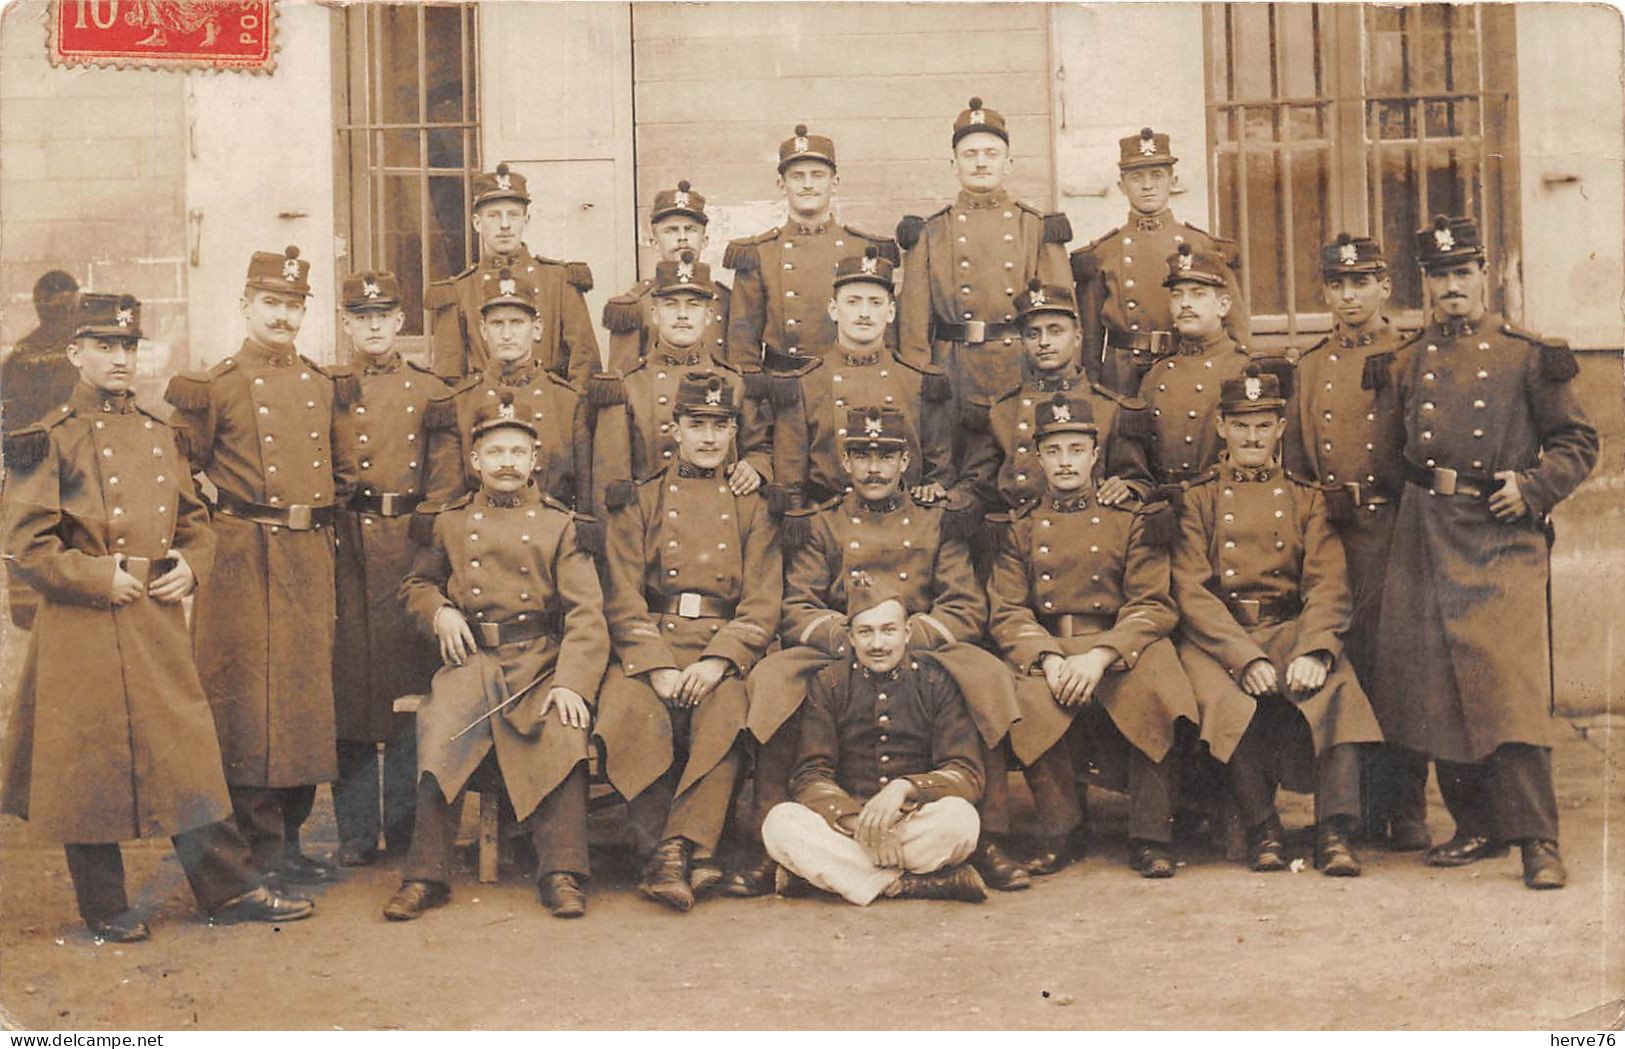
(1344, 433)
(1495, 437)
(677, 223)
(694, 578)
(1263, 595)
(514, 604)
(379, 444)
(258, 426)
(111, 737)
(565, 342)
(1127, 315)
(878, 528)
(1082, 611)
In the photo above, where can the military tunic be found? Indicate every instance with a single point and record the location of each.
(111, 737)
(1182, 392)
(568, 345)
(1255, 545)
(35, 378)
(1465, 660)
(1123, 305)
(809, 426)
(259, 427)
(380, 440)
(964, 266)
(503, 559)
(629, 318)
(686, 541)
(1001, 458)
(1074, 575)
(783, 281)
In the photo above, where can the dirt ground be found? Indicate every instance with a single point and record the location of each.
(1404, 946)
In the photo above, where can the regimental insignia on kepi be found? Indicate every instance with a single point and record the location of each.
(1063, 413)
(705, 393)
(1200, 267)
(1254, 390)
(805, 146)
(871, 427)
(372, 290)
(501, 184)
(493, 415)
(1351, 254)
(680, 201)
(1449, 239)
(1144, 150)
(977, 117)
(686, 273)
(283, 272)
(507, 288)
(870, 267)
(104, 315)
(1046, 298)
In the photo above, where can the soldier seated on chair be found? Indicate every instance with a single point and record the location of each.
(515, 606)
(888, 773)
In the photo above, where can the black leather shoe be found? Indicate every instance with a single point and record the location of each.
(1408, 836)
(1049, 856)
(1264, 849)
(790, 885)
(703, 876)
(960, 882)
(1152, 859)
(298, 869)
(1543, 865)
(998, 870)
(756, 879)
(262, 905)
(123, 927)
(415, 897)
(562, 895)
(355, 856)
(665, 876)
(1463, 849)
(1333, 854)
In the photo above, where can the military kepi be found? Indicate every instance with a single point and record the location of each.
(1046, 298)
(502, 412)
(680, 201)
(1147, 149)
(1449, 239)
(1253, 391)
(285, 273)
(803, 146)
(106, 316)
(705, 393)
(869, 427)
(1063, 413)
(977, 117)
(686, 273)
(1199, 267)
(1351, 254)
(509, 289)
(869, 267)
(372, 290)
(501, 184)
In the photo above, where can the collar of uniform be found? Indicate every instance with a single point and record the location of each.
(997, 199)
(86, 398)
(1450, 328)
(388, 363)
(801, 229)
(859, 360)
(1057, 380)
(688, 469)
(1243, 474)
(1150, 223)
(496, 262)
(522, 374)
(884, 506)
(893, 674)
(1200, 347)
(1070, 502)
(510, 500)
(674, 357)
(275, 358)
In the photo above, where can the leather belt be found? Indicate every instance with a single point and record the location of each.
(526, 626)
(384, 504)
(296, 517)
(1155, 343)
(145, 568)
(690, 605)
(1442, 480)
(776, 360)
(1072, 624)
(1367, 494)
(1263, 611)
(975, 332)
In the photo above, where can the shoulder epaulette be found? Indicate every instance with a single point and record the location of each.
(25, 448)
(887, 245)
(346, 384)
(742, 256)
(422, 368)
(605, 389)
(1085, 265)
(784, 388)
(579, 274)
(190, 393)
(1057, 227)
(1206, 476)
(1095, 244)
(1557, 363)
(1159, 525)
(553, 504)
(934, 385)
(910, 227)
(795, 525)
(441, 411)
(624, 313)
(1125, 400)
(458, 501)
(558, 380)
(319, 369)
(1322, 344)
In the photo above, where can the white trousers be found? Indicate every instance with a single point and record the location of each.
(935, 835)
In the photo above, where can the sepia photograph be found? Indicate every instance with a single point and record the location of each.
(750, 516)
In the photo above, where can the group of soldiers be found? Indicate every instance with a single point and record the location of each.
(856, 532)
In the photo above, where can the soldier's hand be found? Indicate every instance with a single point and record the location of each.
(573, 710)
(1081, 674)
(1113, 490)
(456, 639)
(699, 678)
(126, 588)
(664, 682)
(880, 813)
(173, 584)
(1306, 673)
(1507, 502)
(889, 852)
(1258, 678)
(743, 478)
(928, 493)
(1051, 665)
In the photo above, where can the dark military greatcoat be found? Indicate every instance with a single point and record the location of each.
(568, 345)
(1182, 392)
(111, 737)
(629, 318)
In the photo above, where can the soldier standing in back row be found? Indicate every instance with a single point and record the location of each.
(1128, 322)
(1495, 438)
(566, 344)
(676, 224)
(967, 263)
(379, 436)
(1344, 432)
(783, 276)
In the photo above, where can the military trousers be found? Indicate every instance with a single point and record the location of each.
(269, 819)
(770, 781)
(698, 813)
(1277, 735)
(1509, 797)
(358, 798)
(214, 857)
(1393, 786)
(1152, 785)
(938, 834)
(558, 827)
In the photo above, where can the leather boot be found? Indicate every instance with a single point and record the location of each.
(1543, 865)
(1151, 858)
(998, 870)
(1333, 854)
(562, 895)
(753, 879)
(124, 927)
(1408, 835)
(959, 882)
(1264, 849)
(665, 876)
(1463, 849)
(415, 897)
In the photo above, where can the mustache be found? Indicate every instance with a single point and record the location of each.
(508, 472)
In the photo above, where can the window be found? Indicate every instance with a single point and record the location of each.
(1331, 117)
(409, 136)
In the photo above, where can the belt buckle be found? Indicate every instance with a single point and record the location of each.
(386, 504)
(1444, 481)
(1248, 610)
(299, 518)
(1064, 626)
(1159, 342)
(490, 635)
(139, 567)
(976, 331)
(1353, 488)
(688, 605)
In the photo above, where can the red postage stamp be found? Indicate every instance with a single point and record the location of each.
(164, 34)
